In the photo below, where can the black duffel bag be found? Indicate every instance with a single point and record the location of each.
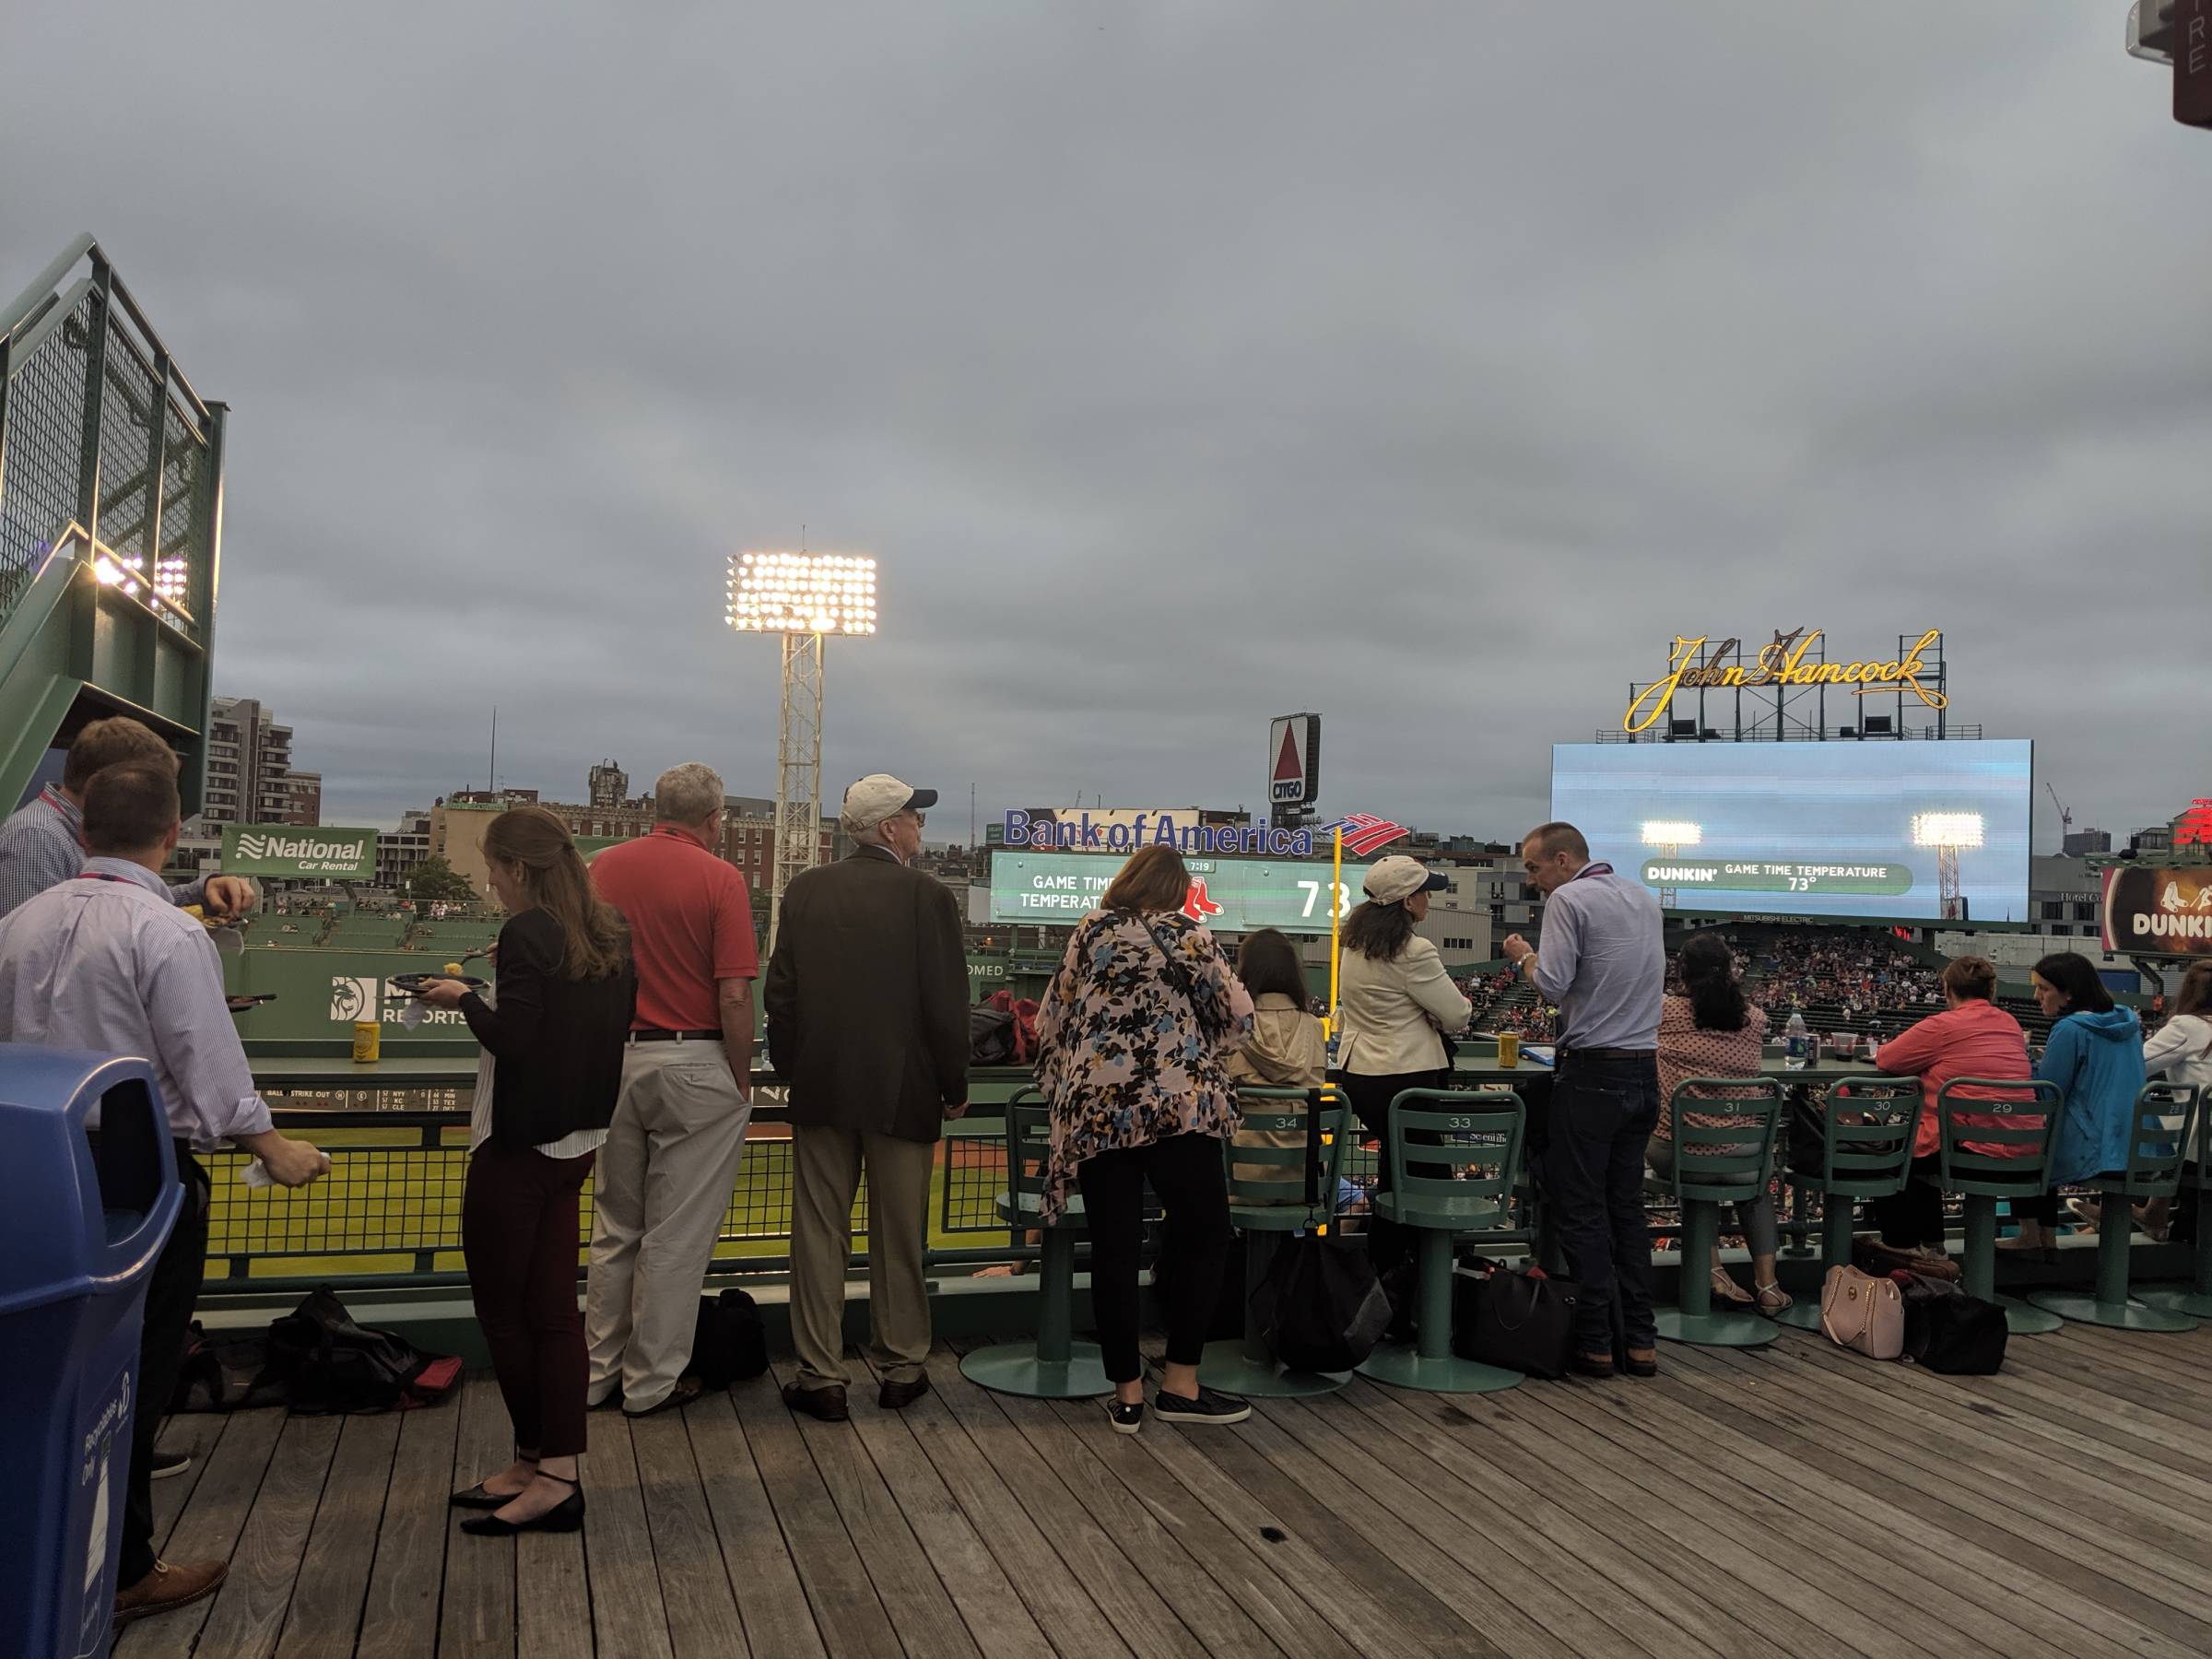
(1521, 1321)
(1949, 1331)
(730, 1342)
(1320, 1307)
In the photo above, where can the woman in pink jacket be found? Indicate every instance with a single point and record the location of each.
(1971, 1038)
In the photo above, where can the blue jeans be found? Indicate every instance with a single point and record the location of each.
(1603, 1111)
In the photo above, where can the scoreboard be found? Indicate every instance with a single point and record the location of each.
(1229, 895)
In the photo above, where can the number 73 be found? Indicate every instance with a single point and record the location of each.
(1312, 892)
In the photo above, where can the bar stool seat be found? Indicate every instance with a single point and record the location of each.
(1717, 1164)
(2166, 1113)
(1475, 1135)
(2019, 1120)
(1861, 1160)
(2197, 1175)
(1246, 1365)
(1055, 1366)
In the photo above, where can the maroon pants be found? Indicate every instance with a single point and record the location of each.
(519, 1232)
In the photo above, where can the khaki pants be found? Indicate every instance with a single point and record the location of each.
(663, 1186)
(826, 1166)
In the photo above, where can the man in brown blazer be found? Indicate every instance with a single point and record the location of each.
(866, 999)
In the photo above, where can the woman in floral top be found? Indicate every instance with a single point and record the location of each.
(1713, 1033)
(1132, 1043)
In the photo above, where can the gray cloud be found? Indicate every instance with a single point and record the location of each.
(1183, 364)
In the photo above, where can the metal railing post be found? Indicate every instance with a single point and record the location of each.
(96, 383)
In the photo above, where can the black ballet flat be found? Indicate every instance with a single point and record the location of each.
(567, 1516)
(476, 1497)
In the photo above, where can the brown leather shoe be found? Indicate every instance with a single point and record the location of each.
(828, 1404)
(686, 1390)
(168, 1586)
(897, 1396)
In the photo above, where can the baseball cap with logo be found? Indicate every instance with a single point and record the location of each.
(1397, 877)
(878, 797)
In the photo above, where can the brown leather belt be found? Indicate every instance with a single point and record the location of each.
(676, 1037)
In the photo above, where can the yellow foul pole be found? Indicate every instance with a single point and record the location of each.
(1336, 928)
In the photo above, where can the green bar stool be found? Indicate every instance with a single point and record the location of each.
(1869, 1159)
(2164, 1115)
(1477, 1135)
(1981, 1178)
(1256, 1204)
(2196, 1174)
(1055, 1366)
(1716, 1165)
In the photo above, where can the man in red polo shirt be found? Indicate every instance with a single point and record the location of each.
(665, 1175)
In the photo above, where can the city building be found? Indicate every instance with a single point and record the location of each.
(399, 851)
(249, 761)
(610, 785)
(2079, 844)
(306, 791)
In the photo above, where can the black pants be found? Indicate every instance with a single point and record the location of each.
(518, 1235)
(1186, 1171)
(1388, 1243)
(171, 1292)
(1603, 1111)
(1913, 1215)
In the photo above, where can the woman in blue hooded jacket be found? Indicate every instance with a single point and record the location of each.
(2095, 1054)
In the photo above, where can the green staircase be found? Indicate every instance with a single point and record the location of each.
(111, 521)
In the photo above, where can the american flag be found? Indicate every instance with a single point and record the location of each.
(1363, 831)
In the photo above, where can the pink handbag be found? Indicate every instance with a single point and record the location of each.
(1863, 1313)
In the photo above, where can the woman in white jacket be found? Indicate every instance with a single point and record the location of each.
(2179, 1051)
(1398, 1004)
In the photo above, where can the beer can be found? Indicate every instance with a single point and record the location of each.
(368, 1042)
(1508, 1049)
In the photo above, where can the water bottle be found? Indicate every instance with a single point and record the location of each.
(1798, 1039)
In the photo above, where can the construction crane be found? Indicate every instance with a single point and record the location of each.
(2065, 818)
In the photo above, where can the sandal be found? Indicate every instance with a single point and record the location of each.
(1725, 1288)
(1781, 1300)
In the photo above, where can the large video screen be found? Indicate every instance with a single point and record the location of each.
(1229, 895)
(1908, 832)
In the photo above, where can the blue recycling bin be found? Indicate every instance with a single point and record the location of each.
(79, 1231)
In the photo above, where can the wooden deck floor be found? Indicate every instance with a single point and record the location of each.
(1796, 1501)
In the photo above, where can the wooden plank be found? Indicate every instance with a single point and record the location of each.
(911, 1592)
(1984, 1579)
(2150, 1394)
(1811, 1507)
(552, 1596)
(325, 1612)
(1614, 1544)
(1088, 1555)
(208, 1529)
(399, 1615)
(695, 1582)
(628, 1617)
(998, 1622)
(1307, 1441)
(1309, 1551)
(2081, 1561)
(1148, 1536)
(477, 1615)
(195, 1434)
(248, 1615)
(771, 1601)
(847, 1612)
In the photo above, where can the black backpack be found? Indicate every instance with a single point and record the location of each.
(730, 1342)
(990, 1036)
(1949, 1331)
(328, 1364)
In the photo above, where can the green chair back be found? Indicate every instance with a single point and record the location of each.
(1274, 1178)
(1029, 1145)
(1455, 1156)
(2198, 1172)
(1727, 1163)
(2166, 1114)
(1867, 1150)
(2009, 1158)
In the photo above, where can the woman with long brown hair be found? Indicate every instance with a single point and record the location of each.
(552, 1034)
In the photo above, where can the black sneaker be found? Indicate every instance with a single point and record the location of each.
(1210, 1407)
(1126, 1420)
(166, 1464)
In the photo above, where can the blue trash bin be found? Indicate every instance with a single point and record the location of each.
(79, 1233)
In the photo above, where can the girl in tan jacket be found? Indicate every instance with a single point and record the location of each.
(1285, 1050)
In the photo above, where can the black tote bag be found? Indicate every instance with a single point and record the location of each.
(1320, 1308)
(1513, 1320)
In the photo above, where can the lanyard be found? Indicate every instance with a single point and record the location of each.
(1591, 869)
(53, 797)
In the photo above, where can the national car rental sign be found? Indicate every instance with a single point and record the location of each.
(298, 854)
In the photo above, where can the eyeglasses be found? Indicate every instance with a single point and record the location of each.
(920, 819)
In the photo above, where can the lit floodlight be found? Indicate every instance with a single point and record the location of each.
(802, 594)
(1670, 833)
(1947, 828)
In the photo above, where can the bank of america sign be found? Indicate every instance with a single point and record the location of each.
(281, 849)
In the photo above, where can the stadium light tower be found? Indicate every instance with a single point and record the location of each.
(806, 597)
(1670, 836)
(1947, 832)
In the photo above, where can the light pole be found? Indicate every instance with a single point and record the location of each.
(805, 597)
(1670, 836)
(1947, 832)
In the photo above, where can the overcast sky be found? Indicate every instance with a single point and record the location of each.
(1429, 367)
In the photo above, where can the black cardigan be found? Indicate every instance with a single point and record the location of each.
(556, 1042)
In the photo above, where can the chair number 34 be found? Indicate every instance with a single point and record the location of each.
(1312, 892)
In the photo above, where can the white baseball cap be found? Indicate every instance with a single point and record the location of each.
(1388, 880)
(878, 797)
